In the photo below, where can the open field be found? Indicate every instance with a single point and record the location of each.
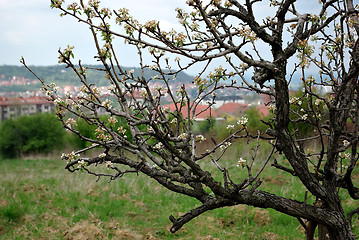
(40, 200)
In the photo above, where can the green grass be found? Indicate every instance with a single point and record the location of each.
(41, 200)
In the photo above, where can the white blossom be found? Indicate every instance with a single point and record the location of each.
(143, 93)
(293, 100)
(271, 107)
(96, 91)
(241, 162)
(183, 135)
(225, 145)
(71, 122)
(200, 138)
(158, 146)
(346, 143)
(69, 102)
(242, 121)
(107, 104)
(317, 101)
(345, 155)
(173, 121)
(112, 120)
(81, 95)
(70, 156)
(49, 93)
(81, 164)
(230, 127)
(58, 101)
(111, 87)
(153, 67)
(108, 164)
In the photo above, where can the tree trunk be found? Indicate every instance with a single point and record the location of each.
(323, 233)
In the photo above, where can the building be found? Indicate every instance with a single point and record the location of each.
(16, 107)
(202, 112)
(220, 100)
(230, 111)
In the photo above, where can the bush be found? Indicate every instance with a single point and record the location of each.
(204, 126)
(88, 131)
(41, 133)
(255, 120)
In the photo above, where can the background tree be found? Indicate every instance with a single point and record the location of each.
(40, 133)
(275, 49)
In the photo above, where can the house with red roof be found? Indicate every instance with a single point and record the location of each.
(263, 110)
(232, 108)
(201, 112)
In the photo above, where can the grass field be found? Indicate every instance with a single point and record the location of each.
(40, 200)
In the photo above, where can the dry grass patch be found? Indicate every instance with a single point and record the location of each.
(84, 230)
(261, 216)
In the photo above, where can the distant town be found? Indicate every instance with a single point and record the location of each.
(21, 95)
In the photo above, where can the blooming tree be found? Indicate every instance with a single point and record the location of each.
(319, 45)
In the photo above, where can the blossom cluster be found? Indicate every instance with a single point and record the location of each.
(305, 50)
(345, 155)
(158, 146)
(51, 90)
(71, 122)
(70, 156)
(180, 90)
(122, 130)
(108, 164)
(151, 25)
(318, 101)
(225, 145)
(200, 82)
(242, 121)
(174, 121)
(293, 100)
(346, 143)
(112, 120)
(241, 162)
(81, 164)
(106, 104)
(66, 54)
(112, 88)
(101, 135)
(230, 127)
(56, 3)
(183, 135)
(248, 34)
(200, 138)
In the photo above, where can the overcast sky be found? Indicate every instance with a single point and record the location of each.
(30, 28)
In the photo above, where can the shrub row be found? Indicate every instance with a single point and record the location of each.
(43, 133)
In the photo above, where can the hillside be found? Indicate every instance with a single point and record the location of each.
(63, 76)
